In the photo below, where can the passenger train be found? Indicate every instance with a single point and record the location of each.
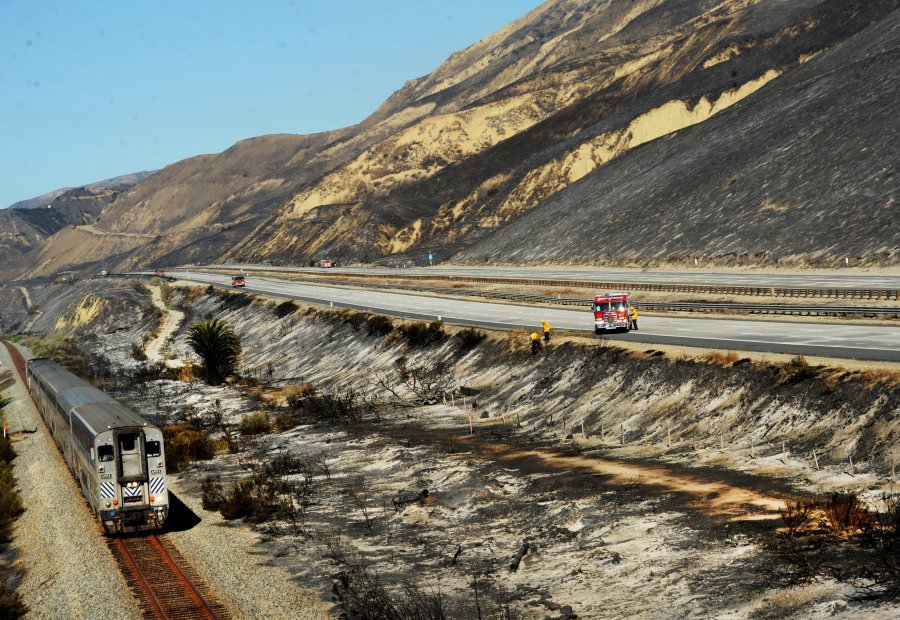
(116, 456)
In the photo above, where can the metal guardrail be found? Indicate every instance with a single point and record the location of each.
(869, 294)
(670, 306)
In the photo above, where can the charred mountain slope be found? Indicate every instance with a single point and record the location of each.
(803, 171)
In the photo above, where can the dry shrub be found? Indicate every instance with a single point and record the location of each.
(330, 403)
(213, 495)
(795, 371)
(258, 499)
(517, 340)
(873, 377)
(187, 373)
(255, 423)
(294, 394)
(10, 502)
(722, 358)
(469, 338)
(285, 308)
(362, 595)
(846, 514)
(184, 444)
(7, 454)
(421, 334)
(11, 606)
(283, 422)
(379, 325)
(353, 318)
(796, 516)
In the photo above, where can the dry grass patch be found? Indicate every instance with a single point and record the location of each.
(721, 358)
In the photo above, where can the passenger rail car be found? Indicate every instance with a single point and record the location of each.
(116, 456)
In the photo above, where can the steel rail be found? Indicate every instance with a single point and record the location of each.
(135, 572)
(184, 579)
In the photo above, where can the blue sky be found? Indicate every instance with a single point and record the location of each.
(91, 90)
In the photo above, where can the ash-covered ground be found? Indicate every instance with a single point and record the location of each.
(627, 485)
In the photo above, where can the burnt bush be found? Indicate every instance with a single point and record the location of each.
(184, 444)
(362, 595)
(258, 499)
(10, 502)
(212, 493)
(795, 371)
(233, 300)
(334, 404)
(379, 325)
(420, 334)
(11, 606)
(469, 338)
(7, 454)
(846, 514)
(848, 542)
(285, 308)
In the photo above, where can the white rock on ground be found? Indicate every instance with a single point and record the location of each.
(70, 572)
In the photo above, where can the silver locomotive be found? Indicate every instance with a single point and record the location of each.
(115, 455)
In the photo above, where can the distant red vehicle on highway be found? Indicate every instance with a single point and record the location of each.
(238, 281)
(326, 263)
(159, 272)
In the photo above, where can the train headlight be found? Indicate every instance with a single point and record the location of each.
(115, 502)
(152, 498)
(101, 469)
(159, 463)
(108, 504)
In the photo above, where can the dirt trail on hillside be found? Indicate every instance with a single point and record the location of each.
(173, 318)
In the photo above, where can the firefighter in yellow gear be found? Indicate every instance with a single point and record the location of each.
(546, 325)
(633, 315)
(535, 343)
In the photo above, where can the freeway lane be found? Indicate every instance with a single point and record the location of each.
(828, 340)
(890, 279)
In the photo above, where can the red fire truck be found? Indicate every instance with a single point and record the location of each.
(611, 312)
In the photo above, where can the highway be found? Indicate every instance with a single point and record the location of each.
(889, 279)
(811, 339)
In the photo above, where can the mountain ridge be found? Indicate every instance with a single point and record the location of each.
(502, 131)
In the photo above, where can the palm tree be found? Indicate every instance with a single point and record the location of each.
(218, 347)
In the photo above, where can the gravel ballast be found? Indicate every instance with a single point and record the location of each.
(228, 557)
(70, 572)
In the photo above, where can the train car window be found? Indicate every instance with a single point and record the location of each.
(153, 448)
(126, 442)
(105, 453)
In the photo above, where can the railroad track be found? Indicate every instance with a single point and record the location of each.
(164, 584)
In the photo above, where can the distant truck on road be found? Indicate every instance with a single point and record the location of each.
(611, 311)
(159, 272)
(326, 263)
(238, 281)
